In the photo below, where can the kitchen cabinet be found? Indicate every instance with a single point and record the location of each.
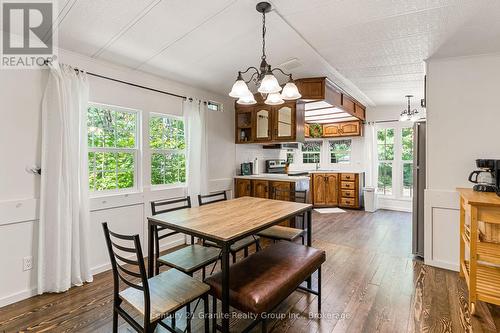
(243, 187)
(343, 129)
(283, 189)
(351, 186)
(270, 124)
(260, 189)
(337, 189)
(325, 187)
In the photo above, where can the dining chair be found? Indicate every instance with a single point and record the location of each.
(242, 244)
(156, 298)
(278, 232)
(190, 258)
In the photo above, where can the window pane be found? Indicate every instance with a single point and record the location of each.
(166, 133)
(111, 128)
(385, 178)
(407, 144)
(385, 144)
(340, 151)
(407, 179)
(168, 168)
(125, 179)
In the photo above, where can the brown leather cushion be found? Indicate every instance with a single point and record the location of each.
(261, 281)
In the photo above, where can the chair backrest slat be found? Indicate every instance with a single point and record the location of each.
(156, 205)
(128, 272)
(219, 196)
(127, 282)
(123, 248)
(126, 260)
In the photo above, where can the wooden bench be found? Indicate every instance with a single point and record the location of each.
(263, 280)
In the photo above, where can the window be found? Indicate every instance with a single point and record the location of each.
(112, 145)
(311, 152)
(168, 150)
(385, 148)
(289, 156)
(214, 106)
(340, 151)
(407, 160)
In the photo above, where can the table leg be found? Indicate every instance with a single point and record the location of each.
(309, 227)
(225, 287)
(151, 254)
(309, 241)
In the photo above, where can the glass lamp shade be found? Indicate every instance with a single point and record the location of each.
(274, 99)
(240, 89)
(290, 92)
(415, 117)
(269, 85)
(248, 99)
(404, 117)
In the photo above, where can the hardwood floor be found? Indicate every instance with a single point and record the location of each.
(370, 284)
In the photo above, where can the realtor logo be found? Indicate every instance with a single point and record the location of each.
(27, 39)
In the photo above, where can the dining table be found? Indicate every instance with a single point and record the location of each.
(224, 223)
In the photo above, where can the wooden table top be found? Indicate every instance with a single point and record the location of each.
(479, 198)
(229, 220)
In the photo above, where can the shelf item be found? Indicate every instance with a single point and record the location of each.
(482, 270)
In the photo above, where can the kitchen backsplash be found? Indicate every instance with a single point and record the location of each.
(247, 153)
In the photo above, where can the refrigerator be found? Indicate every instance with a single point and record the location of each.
(418, 188)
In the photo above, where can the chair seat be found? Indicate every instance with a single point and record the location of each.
(239, 245)
(282, 233)
(190, 258)
(261, 281)
(169, 291)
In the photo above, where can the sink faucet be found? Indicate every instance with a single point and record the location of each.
(317, 166)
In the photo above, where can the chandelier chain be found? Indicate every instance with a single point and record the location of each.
(263, 35)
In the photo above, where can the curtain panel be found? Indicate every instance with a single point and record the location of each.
(64, 202)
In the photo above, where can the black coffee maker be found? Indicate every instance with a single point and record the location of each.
(487, 178)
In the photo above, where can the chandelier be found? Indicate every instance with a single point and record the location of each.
(409, 114)
(263, 78)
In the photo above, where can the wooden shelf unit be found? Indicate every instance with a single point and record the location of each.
(482, 268)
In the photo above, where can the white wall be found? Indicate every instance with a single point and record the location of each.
(463, 123)
(21, 93)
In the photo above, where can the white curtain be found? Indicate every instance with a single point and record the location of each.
(64, 204)
(371, 155)
(195, 113)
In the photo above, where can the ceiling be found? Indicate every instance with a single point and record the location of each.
(375, 50)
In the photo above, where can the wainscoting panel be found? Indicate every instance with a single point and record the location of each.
(442, 229)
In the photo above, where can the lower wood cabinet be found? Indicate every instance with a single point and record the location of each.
(243, 187)
(260, 189)
(325, 188)
(337, 189)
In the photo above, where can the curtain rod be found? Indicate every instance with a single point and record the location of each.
(46, 62)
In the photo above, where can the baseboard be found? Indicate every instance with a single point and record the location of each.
(443, 264)
(19, 296)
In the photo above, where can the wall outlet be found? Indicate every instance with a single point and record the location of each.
(27, 263)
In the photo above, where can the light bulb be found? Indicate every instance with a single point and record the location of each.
(239, 89)
(248, 99)
(274, 99)
(269, 85)
(290, 92)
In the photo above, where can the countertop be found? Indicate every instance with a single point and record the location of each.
(275, 176)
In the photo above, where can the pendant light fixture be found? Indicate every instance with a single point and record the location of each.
(263, 77)
(409, 114)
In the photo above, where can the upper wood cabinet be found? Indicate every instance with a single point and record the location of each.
(348, 128)
(319, 88)
(270, 124)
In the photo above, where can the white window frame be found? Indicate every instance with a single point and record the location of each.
(156, 187)
(136, 152)
(330, 151)
(397, 162)
(403, 162)
(302, 152)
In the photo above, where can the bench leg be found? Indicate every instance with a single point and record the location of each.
(319, 289)
(206, 311)
(188, 317)
(214, 313)
(245, 251)
(264, 325)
